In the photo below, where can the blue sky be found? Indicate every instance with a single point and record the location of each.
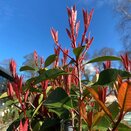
(25, 26)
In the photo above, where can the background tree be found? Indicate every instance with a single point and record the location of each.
(29, 61)
(123, 9)
(105, 51)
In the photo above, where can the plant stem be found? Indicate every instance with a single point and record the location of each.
(80, 97)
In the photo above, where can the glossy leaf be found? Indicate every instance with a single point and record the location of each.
(57, 99)
(104, 58)
(27, 68)
(77, 51)
(109, 76)
(50, 74)
(50, 60)
(124, 96)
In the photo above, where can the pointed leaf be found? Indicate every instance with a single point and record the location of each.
(104, 58)
(25, 68)
(37, 126)
(50, 60)
(124, 127)
(58, 98)
(77, 51)
(50, 74)
(61, 112)
(109, 76)
(3, 95)
(36, 110)
(96, 97)
(124, 96)
(11, 126)
(40, 98)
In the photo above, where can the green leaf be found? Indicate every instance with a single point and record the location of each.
(25, 68)
(50, 74)
(103, 124)
(36, 110)
(11, 102)
(4, 95)
(113, 106)
(104, 58)
(57, 99)
(50, 60)
(11, 126)
(77, 51)
(29, 114)
(50, 124)
(61, 112)
(37, 126)
(109, 76)
(40, 98)
(124, 127)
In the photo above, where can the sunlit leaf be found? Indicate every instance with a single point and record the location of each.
(40, 98)
(36, 110)
(104, 58)
(4, 95)
(124, 96)
(96, 97)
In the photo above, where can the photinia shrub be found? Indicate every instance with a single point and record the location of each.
(57, 98)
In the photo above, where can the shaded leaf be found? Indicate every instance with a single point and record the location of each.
(50, 60)
(15, 123)
(50, 123)
(25, 68)
(58, 98)
(37, 126)
(77, 51)
(61, 112)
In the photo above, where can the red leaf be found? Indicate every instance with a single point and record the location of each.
(124, 96)
(24, 127)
